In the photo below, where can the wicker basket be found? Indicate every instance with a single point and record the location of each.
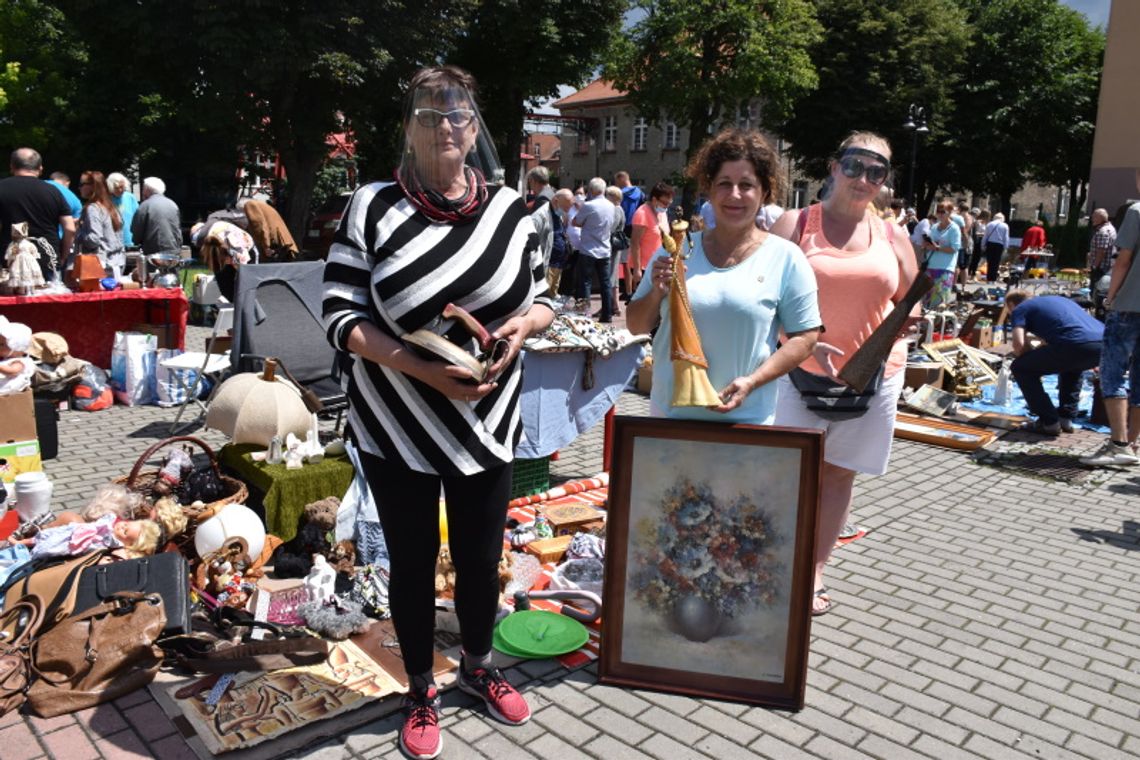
(144, 483)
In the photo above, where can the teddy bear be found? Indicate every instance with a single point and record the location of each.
(445, 573)
(294, 558)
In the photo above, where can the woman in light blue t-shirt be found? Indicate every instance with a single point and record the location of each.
(941, 246)
(744, 286)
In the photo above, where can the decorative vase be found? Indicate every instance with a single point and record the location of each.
(696, 619)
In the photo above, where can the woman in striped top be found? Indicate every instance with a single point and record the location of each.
(438, 235)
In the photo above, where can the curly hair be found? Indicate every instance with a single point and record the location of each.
(735, 144)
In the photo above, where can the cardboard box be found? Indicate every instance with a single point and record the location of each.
(19, 457)
(919, 374)
(568, 519)
(164, 333)
(17, 417)
(644, 379)
(549, 549)
(981, 337)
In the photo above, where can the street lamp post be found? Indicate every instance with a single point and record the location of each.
(916, 124)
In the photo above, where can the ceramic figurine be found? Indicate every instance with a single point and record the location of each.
(321, 581)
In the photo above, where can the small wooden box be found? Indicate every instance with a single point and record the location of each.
(549, 549)
(568, 519)
(981, 337)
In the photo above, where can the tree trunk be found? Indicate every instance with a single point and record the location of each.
(301, 173)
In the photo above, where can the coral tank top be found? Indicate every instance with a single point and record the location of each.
(855, 289)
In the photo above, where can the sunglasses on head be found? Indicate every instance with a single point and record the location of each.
(431, 118)
(854, 168)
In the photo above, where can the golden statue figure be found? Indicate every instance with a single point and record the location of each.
(691, 386)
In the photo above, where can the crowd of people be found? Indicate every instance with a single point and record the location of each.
(105, 219)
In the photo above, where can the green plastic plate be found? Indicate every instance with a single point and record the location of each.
(538, 633)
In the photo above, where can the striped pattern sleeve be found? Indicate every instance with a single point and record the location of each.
(348, 269)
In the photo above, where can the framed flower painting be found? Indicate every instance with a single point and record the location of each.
(710, 536)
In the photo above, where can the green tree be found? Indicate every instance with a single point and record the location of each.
(875, 58)
(292, 71)
(695, 63)
(1031, 81)
(520, 51)
(37, 38)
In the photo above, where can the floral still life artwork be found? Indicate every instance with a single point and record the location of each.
(710, 552)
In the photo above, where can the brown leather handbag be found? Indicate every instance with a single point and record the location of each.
(97, 655)
(18, 626)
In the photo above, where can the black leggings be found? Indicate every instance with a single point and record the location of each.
(408, 503)
(993, 260)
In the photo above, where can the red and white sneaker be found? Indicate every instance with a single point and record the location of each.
(503, 700)
(420, 738)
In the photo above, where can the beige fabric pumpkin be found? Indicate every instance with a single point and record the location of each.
(252, 408)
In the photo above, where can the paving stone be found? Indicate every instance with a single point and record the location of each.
(550, 746)
(125, 745)
(149, 721)
(174, 748)
(683, 730)
(625, 701)
(102, 720)
(72, 743)
(499, 747)
(615, 724)
(333, 750)
(877, 746)
(1030, 725)
(613, 749)
(776, 749)
(666, 748)
(19, 742)
(915, 699)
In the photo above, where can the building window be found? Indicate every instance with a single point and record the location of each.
(672, 136)
(799, 193)
(609, 134)
(640, 132)
(583, 143)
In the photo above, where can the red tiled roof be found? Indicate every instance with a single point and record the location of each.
(595, 93)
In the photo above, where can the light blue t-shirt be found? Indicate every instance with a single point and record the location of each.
(739, 312)
(127, 204)
(951, 236)
(72, 199)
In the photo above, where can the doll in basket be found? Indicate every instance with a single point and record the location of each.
(124, 506)
(137, 538)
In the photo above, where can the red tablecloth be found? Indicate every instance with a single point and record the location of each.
(89, 320)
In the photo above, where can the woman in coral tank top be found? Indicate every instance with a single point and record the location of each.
(863, 268)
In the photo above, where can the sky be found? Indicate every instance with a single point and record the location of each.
(1095, 10)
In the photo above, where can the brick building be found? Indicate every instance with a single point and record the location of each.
(611, 136)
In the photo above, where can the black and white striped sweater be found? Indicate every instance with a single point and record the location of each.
(392, 266)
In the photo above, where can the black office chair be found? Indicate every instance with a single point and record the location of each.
(277, 313)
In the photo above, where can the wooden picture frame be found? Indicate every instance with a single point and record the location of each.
(709, 559)
(941, 432)
(947, 352)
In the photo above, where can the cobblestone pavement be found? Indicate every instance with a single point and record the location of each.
(985, 615)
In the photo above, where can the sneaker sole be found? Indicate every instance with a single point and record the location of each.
(490, 708)
(414, 756)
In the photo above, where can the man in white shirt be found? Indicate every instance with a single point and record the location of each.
(921, 230)
(768, 215)
(596, 219)
(995, 241)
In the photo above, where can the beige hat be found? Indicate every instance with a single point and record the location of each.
(48, 347)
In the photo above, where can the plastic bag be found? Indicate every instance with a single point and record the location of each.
(171, 386)
(92, 393)
(132, 367)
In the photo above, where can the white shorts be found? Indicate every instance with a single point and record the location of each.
(862, 444)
